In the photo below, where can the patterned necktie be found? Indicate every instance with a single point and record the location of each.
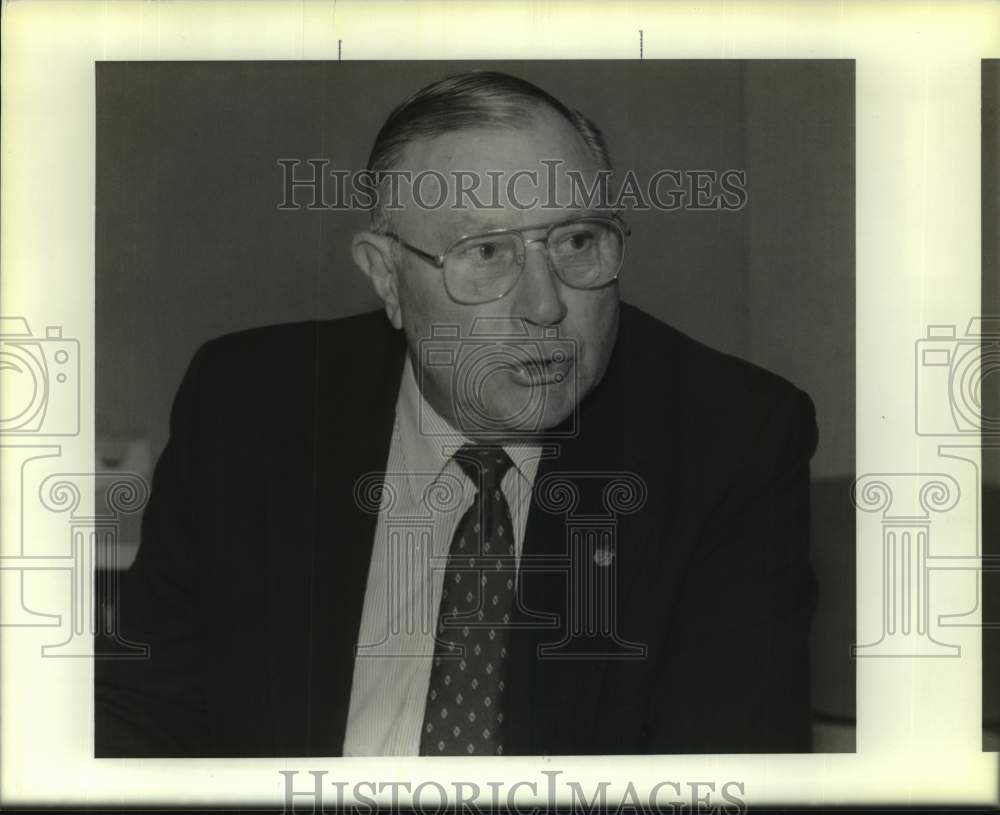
(464, 710)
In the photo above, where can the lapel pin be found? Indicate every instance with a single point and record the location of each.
(603, 556)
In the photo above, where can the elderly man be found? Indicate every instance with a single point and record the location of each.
(516, 517)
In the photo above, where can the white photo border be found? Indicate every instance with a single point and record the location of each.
(919, 725)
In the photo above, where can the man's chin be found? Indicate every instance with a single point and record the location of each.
(500, 428)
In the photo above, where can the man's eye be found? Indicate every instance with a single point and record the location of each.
(576, 242)
(483, 252)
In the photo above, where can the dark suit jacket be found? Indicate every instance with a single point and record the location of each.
(249, 581)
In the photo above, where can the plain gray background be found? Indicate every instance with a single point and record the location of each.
(191, 245)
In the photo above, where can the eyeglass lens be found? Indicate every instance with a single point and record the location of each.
(584, 254)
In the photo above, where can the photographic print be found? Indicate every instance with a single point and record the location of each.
(407, 405)
(620, 310)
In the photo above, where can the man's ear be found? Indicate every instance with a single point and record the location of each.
(373, 255)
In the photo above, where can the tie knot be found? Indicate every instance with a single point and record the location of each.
(484, 464)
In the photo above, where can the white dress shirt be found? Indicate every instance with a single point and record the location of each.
(425, 494)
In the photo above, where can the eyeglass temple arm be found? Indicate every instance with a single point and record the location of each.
(616, 216)
(437, 260)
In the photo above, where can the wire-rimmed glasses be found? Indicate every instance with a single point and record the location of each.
(584, 252)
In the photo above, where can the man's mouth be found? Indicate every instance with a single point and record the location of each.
(548, 370)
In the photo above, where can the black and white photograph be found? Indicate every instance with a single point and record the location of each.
(499, 406)
(494, 409)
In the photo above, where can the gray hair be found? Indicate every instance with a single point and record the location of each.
(469, 100)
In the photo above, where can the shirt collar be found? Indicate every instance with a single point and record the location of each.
(428, 441)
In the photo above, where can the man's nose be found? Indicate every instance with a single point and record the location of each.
(538, 294)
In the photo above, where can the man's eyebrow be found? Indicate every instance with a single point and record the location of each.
(468, 224)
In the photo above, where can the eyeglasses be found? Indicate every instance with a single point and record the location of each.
(585, 253)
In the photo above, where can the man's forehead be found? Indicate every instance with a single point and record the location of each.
(471, 221)
(448, 223)
(510, 178)
(500, 149)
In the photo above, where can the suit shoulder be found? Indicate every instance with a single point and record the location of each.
(271, 369)
(293, 344)
(705, 373)
(714, 394)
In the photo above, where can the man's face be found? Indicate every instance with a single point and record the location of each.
(510, 385)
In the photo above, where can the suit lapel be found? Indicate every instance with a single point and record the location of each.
(555, 688)
(354, 442)
(623, 430)
(327, 534)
